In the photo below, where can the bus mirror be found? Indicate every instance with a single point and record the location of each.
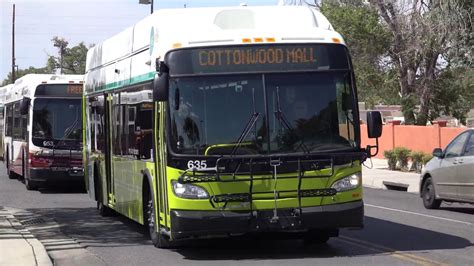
(24, 105)
(160, 87)
(374, 124)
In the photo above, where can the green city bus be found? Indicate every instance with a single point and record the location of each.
(198, 124)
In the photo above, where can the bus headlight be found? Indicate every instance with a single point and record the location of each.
(188, 191)
(348, 182)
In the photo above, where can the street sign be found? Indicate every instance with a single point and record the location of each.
(144, 2)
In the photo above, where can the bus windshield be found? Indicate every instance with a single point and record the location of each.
(262, 113)
(57, 119)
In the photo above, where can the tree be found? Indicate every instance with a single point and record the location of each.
(367, 40)
(422, 32)
(21, 72)
(69, 60)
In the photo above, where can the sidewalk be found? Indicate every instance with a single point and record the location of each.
(378, 176)
(17, 244)
(28, 238)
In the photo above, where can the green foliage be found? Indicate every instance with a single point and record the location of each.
(426, 158)
(392, 159)
(73, 61)
(417, 160)
(454, 93)
(403, 155)
(366, 39)
(21, 72)
(69, 60)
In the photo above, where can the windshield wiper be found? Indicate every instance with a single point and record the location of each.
(68, 131)
(245, 132)
(283, 121)
(253, 119)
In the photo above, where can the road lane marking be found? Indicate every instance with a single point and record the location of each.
(419, 214)
(365, 247)
(390, 251)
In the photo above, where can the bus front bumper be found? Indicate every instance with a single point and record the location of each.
(189, 224)
(56, 174)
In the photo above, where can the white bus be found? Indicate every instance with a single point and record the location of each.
(43, 129)
(3, 93)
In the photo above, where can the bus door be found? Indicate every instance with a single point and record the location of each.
(108, 152)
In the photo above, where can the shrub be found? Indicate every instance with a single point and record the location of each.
(402, 154)
(417, 160)
(392, 159)
(426, 158)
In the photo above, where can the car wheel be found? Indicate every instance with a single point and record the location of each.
(429, 195)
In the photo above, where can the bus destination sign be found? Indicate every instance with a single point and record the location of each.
(59, 90)
(258, 58)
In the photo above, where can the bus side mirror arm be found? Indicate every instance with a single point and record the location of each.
(374, 131)
(369, 148)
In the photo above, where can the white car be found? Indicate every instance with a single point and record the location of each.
(449, 176)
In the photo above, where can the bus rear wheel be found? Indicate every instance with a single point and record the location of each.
(11, 174)
(158, 239)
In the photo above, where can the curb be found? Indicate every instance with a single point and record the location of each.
(62, 250)
(18, 245)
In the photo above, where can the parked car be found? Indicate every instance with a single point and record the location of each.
(449, 176)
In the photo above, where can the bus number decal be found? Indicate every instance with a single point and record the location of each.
(48, 143)
(197, 164)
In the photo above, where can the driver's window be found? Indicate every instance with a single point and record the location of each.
(469, 151)
(455, 148)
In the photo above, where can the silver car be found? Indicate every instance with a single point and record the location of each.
(449, 176)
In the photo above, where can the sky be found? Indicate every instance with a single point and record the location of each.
(88, 21)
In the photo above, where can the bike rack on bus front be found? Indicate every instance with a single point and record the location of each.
(234, 169)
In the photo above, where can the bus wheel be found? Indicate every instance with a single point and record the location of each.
(314, 237)
(103, 210)
(10, 173)
(30, 185)
(158, 239)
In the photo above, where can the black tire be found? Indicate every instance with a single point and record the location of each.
(103, 210)
(316, 237)
(428, 195)
(30, 185)
(158, 239)
(11, 174)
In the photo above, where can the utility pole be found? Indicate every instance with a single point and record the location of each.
(151, 11)
(13, 46)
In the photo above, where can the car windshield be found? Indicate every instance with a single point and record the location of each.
(262, 113)
(57, 119)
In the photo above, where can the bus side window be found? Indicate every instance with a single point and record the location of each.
(9, 120)
(17, 129)
(137, 112)
(98, 118)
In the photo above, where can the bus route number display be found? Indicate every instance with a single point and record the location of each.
(59, 90)
(74, 89)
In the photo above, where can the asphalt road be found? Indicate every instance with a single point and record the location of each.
(398, 231)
